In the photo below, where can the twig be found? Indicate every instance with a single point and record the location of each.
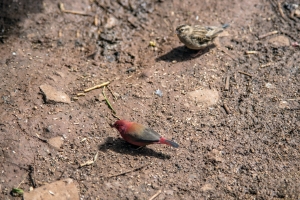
(132, 170)
(108, 103)
(169, 24)
(80, 94)
(22, 181)
(96, 157)
(97, 86)
(61, 175)
(43, 140)
(23, 129)
(266, 65)
(280, 10)
(252, 52)
(96, 20)
(227, 83)
(296, 99)
(245, 73)
(89, 162)
(225, 51)
(226, 108)
(267, 34)
(156, 194)
(31, 176)
(62, 8)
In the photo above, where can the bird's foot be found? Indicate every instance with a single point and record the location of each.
(199, 53)
(139, 148)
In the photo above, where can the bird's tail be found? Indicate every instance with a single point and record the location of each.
(225, 26)
(168, 142)
(213, 31)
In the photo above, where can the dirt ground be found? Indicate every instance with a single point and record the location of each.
(244, 146)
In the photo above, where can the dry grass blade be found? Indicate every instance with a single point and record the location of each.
(97, 86)
(245, 73)
(62, 8)
(267, 34)
(108, 103)
(227, 83)
(156, 194)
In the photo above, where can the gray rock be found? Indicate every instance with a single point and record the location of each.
(205, 97)
(56, 142)
(52, 95)
(62, 190)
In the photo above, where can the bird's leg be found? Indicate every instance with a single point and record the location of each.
(139, 148)
(200, 52)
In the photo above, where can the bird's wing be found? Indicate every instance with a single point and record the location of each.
(200, 34)
(148, 135)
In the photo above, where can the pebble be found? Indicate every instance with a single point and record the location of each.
(56, 142)
(52, 95)
(206, 97)
(62, 190)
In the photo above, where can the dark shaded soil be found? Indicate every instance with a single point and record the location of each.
(249, 151)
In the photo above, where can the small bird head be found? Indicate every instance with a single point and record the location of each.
(184, 30)
(120, 125)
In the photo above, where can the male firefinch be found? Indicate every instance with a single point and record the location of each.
(139, 135)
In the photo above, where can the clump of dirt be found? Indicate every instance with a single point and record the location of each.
(243, 144)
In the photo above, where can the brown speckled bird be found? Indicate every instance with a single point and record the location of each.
(198, 37)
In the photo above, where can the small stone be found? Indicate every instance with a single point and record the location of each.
(169, 192)
(186, 105)
(155, 186)
(269, 85)
(56, 142)
(108, 185)
(159, 92)
(215, 155)
(283, 104)
(62, 190)
(297, 13)
(52, 95)
(111, 22)
(280, 41)
(206, 97)
(207, 187)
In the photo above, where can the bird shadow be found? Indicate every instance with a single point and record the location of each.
(182, 53)
(120, 146)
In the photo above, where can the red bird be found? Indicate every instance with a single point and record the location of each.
(139, 135)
